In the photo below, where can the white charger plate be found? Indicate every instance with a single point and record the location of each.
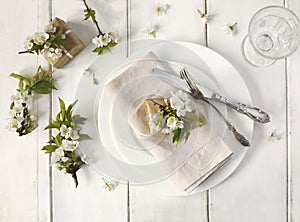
(187, 53)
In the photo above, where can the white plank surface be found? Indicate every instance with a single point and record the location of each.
(181, 23)
(89, 202)
(293, 128)
(257, 189)
(264, 188)
(24, 183)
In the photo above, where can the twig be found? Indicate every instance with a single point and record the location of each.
(27, 51)
(157, 104)
(94, 20)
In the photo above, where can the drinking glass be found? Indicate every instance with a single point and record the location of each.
(273, 33)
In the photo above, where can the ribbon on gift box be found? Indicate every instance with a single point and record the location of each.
(63, 48)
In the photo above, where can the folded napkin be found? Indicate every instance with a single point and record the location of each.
(210, 152)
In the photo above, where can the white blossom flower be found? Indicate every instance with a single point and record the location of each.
(28, 45)
(230, 30)
(172, 122)
(40, 38)
(166, 130)
(161, 9)
(12, 124)
(152, 30)
(57, 155)
(275, 135)
(204, 17)
(102, 40)
(97, 41)
(26, 96)
(64, 132)
(50, 28)
(73, 134)
(69, 145)
(114, 36)
(155, 122)
(181, 102)
(64, 159)
(52, 53)
(18, 108)
(58, 52)
(33, 118)
(106, 39)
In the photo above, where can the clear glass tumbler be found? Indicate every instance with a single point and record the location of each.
(273, 33)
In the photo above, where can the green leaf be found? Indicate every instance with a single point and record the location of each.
(53, 125)
(49, 148)
(62, 109)
(90, 13)
(70, 107)
(69, 112)
(58, 140)
(20, 77)
(43, 87)
(41, 75)
(103, 49)
(21, 85)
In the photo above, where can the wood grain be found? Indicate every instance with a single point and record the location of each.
(266, 186)
(181, 23)
(293, 83)
(89, 202)
(256, 191)
(24, 188)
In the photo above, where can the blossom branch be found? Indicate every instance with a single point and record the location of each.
(27, 51)
(91, 13)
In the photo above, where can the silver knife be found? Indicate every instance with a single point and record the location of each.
(254, 113)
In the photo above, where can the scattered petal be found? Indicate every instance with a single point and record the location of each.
(152, 30)
(203, 16)
(275, 136)
(230, 30)
(109, 185)
(161, 9)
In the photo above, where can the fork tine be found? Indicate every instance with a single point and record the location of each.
(190, 80)
(191, 84)
(183, 76)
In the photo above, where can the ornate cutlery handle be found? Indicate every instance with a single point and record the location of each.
(254, 113)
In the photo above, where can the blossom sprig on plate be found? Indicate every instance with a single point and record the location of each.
(21, 118)
(104, 41)
(175, 116)
(64, 146)
(50, 43)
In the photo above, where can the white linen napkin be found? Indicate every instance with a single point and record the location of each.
(210, 152)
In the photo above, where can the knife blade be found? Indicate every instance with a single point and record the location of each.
(179, 83)
(254, 113)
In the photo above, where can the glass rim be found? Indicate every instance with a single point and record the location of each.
(266, 8)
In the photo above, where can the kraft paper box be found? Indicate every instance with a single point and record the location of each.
(72, 46)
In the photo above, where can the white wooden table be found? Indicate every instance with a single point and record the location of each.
(265, 187)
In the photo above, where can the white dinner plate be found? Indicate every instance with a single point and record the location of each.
(112, 163)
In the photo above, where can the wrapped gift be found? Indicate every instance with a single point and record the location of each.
(72, 46)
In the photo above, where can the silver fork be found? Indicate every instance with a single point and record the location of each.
(196, 93)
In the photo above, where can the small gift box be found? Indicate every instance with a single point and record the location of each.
(72, 44)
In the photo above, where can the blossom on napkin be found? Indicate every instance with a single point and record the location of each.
(209, 152)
